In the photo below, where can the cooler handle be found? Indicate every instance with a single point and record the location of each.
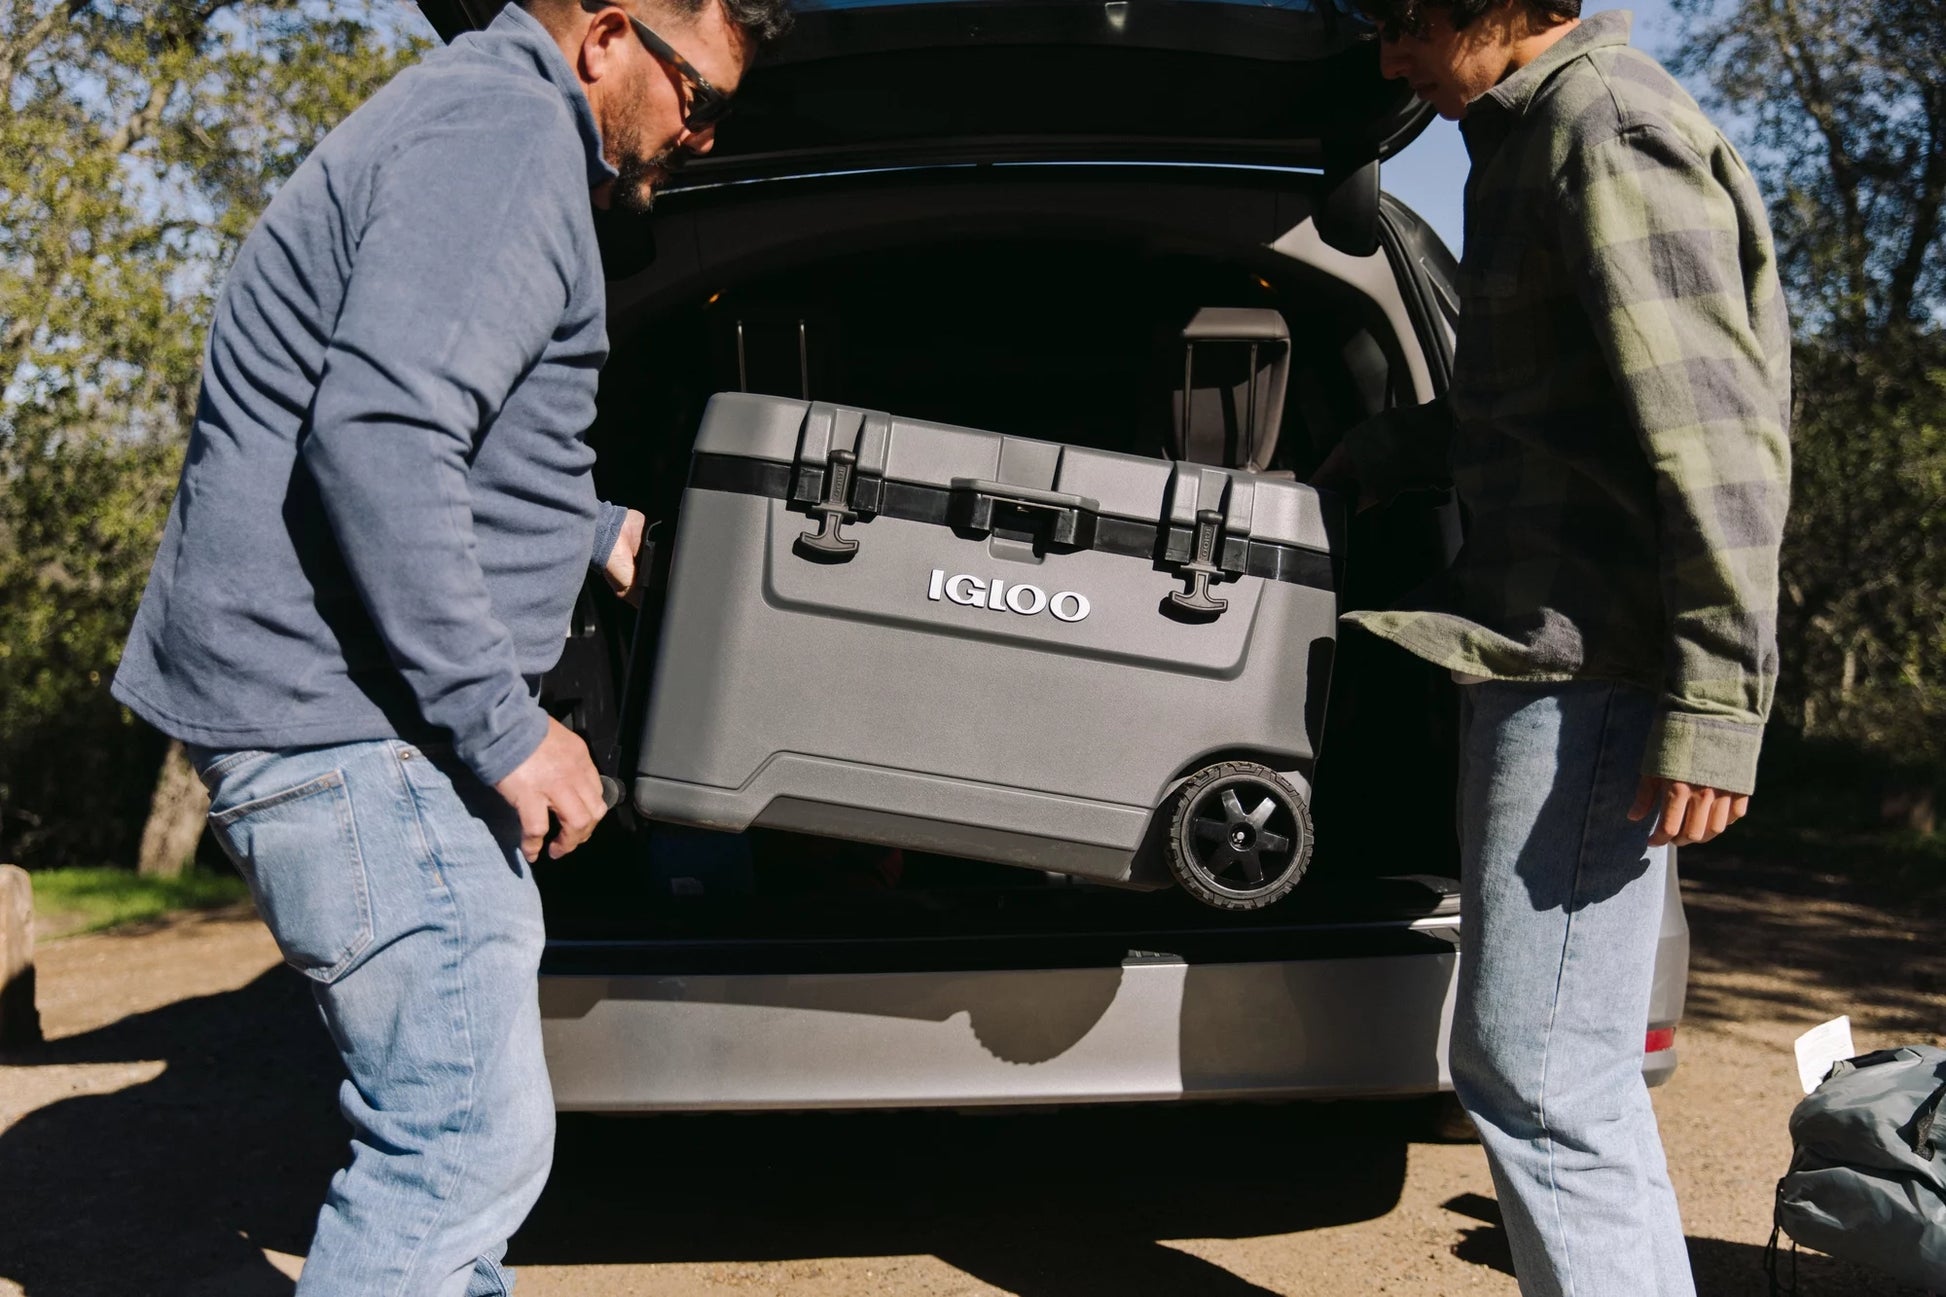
(1066, 508)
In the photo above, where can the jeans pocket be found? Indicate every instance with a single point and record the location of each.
(299, 851)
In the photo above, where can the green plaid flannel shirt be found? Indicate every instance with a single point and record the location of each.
(1617, 425)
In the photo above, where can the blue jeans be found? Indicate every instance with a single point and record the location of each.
(394, 882)
(1563, 901)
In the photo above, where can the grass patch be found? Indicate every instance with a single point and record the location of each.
(71, 901)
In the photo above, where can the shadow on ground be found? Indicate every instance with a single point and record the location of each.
(1058, 1205)
(177, 1184)
(1721, 1269)
(1818, 938)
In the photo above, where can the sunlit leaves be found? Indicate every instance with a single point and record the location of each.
(139, 144)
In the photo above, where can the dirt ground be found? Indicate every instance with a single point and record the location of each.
(176, 1132)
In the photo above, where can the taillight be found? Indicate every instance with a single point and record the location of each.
(1659, 1039)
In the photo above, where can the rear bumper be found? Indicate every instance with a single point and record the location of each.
(1153, 1027)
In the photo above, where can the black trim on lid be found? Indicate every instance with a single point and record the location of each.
(740, 476)
(934, 505)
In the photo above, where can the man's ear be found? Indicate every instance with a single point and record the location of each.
(600, 44)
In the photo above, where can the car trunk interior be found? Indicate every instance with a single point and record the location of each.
(1059, 335)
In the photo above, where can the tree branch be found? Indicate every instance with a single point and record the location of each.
(1900, 303)
(140, 122)
(1793, 48)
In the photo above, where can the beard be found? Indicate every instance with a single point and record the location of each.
(639, 174)
(638, 168)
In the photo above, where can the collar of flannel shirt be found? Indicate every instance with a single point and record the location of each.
(1594, 32)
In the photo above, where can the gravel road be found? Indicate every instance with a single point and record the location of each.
(175, 1134)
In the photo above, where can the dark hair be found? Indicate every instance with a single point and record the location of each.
(1409, 16)
(763, 21)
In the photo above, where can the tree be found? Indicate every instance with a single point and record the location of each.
(1841, 108)
(141, 143)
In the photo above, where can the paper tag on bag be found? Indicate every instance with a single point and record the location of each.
(1819, 1048)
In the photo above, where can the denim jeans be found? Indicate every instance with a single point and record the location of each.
(394, 881)
(1562, 897)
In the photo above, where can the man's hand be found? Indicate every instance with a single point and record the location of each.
(620, 571)
(1339, 474)
(1689, 814)
(560, 778)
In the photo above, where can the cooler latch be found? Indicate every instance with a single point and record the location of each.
(833, 511)
(1201, 569)
(840, 476)
(1207, 523)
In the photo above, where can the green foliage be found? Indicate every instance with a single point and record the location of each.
(1842, 110)
(1822, 807)
(141, 142)
(75, 900)
(1863, 615)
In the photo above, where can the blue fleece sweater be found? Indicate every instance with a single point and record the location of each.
(386, 511)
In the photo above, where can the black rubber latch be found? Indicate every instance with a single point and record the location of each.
(1201, 569)
(827, 543)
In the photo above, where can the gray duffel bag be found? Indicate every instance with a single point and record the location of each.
(1867, 1180)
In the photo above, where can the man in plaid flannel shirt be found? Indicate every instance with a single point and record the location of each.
(1617, 432)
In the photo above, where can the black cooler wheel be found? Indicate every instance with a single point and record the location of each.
(1240, 837)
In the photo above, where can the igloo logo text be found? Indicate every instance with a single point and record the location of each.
(1001, 596)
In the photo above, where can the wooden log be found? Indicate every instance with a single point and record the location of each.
(20, 1021)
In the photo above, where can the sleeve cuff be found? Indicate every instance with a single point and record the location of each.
(608, 528)
(1705, 751)
(502, 754)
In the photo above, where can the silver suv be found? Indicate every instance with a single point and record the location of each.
(1002, 215)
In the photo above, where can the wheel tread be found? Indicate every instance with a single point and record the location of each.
(1183, 823)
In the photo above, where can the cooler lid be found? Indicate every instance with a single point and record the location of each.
(881, 463)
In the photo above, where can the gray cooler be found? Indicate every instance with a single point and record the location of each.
(961, 642)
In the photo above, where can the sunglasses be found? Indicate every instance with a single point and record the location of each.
(707, 104)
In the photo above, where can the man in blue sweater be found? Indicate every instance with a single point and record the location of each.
(382, 525)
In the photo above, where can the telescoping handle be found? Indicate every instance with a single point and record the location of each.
(1067, 510)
